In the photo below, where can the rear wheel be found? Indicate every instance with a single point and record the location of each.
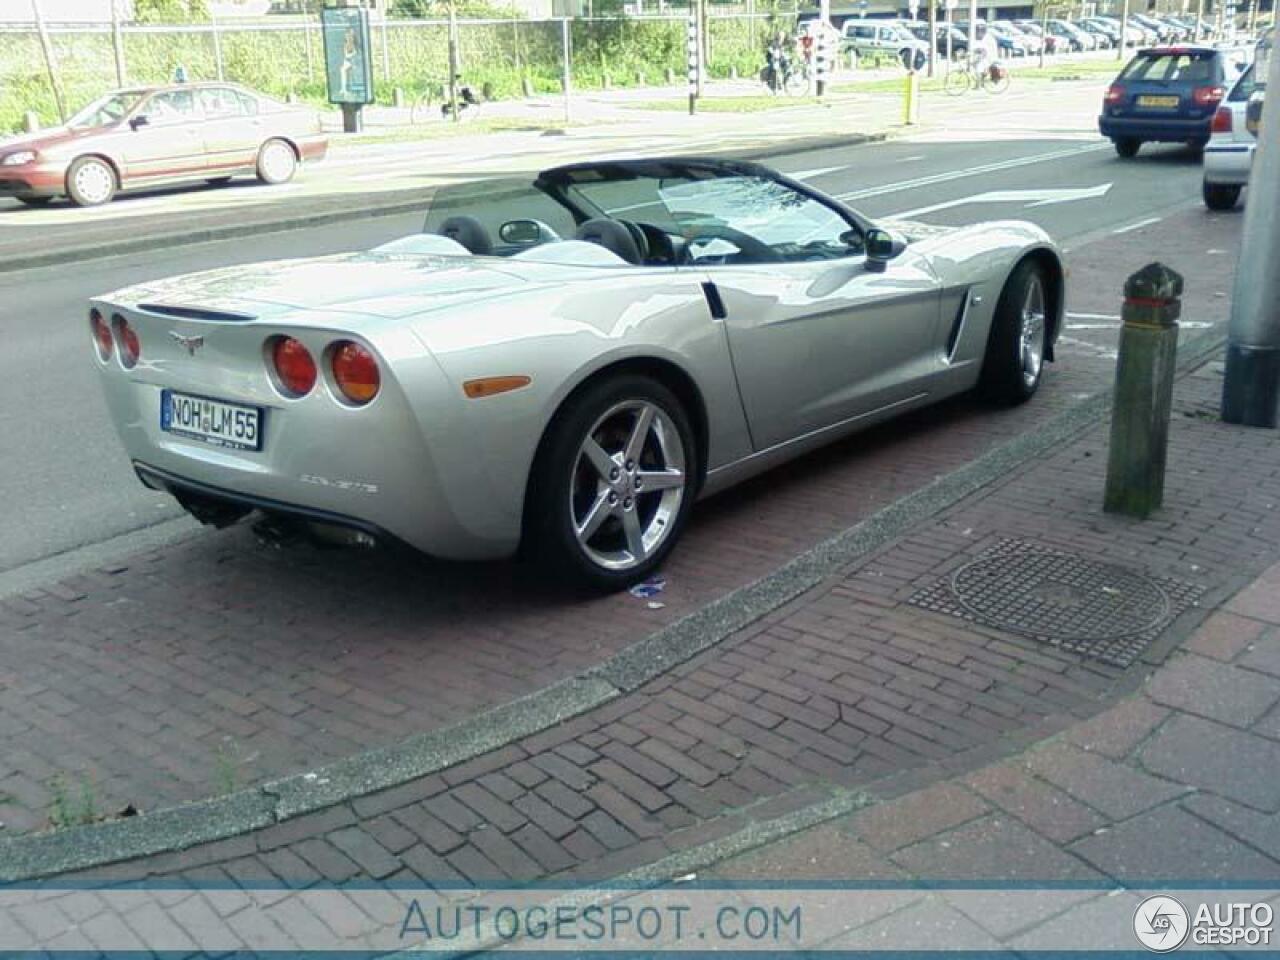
(1127, 146)
(1220, 196)
(90, 182)
(1016, 346)
(277, 163)
(613, 484)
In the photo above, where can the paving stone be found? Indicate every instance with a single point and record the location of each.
(994, 847)
(551, 856)
(821, 853)
(374, 861)
(1215, 690)
(568, 802)
(1217, 759)
(897, 823)
(607, 830)
(1117, 730)
(331, 863)
(1048, 811)
(547, 817)
(1115, 790)
(928, 924)
(1260, 830)
(1264, 655)
(492, 810)
(1088, 925)
(1224, 636)
(1170, 845)
(505, 854)
(430, 829)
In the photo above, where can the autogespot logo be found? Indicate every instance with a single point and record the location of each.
(1161, 924)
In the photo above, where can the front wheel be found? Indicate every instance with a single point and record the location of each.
(957, 82)
(1126, 147)
(91, 182)
(1016, 346)
(277, 163)
(613, 483)
(1221, 196)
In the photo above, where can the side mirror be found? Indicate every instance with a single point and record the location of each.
(521, 232)
(139, 121)
(882, 246)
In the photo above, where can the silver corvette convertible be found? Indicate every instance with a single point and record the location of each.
(563, 365)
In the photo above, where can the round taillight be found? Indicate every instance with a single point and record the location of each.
(294, 367)
(101, 335)
(355, 371)
(130, 347)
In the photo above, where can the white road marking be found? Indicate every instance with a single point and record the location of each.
(902, 185)
(818, 172)
(1137, 226)
(1106, 353)
(1032, 198)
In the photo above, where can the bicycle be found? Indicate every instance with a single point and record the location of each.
(793, 79)
(992, 77)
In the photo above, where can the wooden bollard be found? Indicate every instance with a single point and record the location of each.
(526, 84)
(1143, 396)
(31, 121)
(397, 97)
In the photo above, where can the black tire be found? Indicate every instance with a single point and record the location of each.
(1220, 196)
(217, 181)
(1005, 378)
(1126, 147)
(1197, 146)
(557, 481)
(35, 201)
(277, 163)
(91, 182)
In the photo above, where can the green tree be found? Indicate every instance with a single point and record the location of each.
(170, 11)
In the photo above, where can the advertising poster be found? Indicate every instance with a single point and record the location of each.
(348, 65)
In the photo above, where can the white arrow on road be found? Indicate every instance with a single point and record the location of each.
(1032, 198)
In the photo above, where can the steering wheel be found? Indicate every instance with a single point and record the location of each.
(750, 250)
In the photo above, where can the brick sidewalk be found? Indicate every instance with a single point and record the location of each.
(216, 663)
(853, 685)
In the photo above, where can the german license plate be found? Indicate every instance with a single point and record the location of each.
(215, 422)
(1165, 103)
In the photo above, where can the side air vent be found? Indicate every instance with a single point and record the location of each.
(953, 338)
(196, 313)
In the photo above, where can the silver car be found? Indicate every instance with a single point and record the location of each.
(564, 366)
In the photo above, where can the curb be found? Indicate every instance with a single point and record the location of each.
(41, 855)
(402, 201)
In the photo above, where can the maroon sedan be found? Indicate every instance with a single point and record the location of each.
(148, 136)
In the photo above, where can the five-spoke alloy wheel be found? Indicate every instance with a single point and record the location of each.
(613, 482)
(1019, 338)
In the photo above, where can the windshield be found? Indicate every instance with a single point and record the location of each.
(108, 109)
(674, 214)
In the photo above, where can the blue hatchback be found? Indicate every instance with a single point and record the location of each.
(1165, 94)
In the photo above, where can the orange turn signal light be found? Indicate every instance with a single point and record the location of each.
(491, 386)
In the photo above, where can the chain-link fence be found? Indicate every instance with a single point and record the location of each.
(505, 58)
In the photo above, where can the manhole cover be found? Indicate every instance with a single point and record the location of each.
(1060, 596)
(1096, 609)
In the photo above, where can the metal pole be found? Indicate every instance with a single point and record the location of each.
(386, 51)
(973, 27)
(217, 44)
(950, 52)
(566, 69)
(1044, 30)
(693, 47)
(1252, 383)
(50, 62)
(933, 33)
(117, 43)
(701, 7)
(1124, 25)
(306, 43)
(1199, 18)
(453, 61)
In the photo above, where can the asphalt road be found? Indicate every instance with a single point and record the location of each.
(67, 484)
